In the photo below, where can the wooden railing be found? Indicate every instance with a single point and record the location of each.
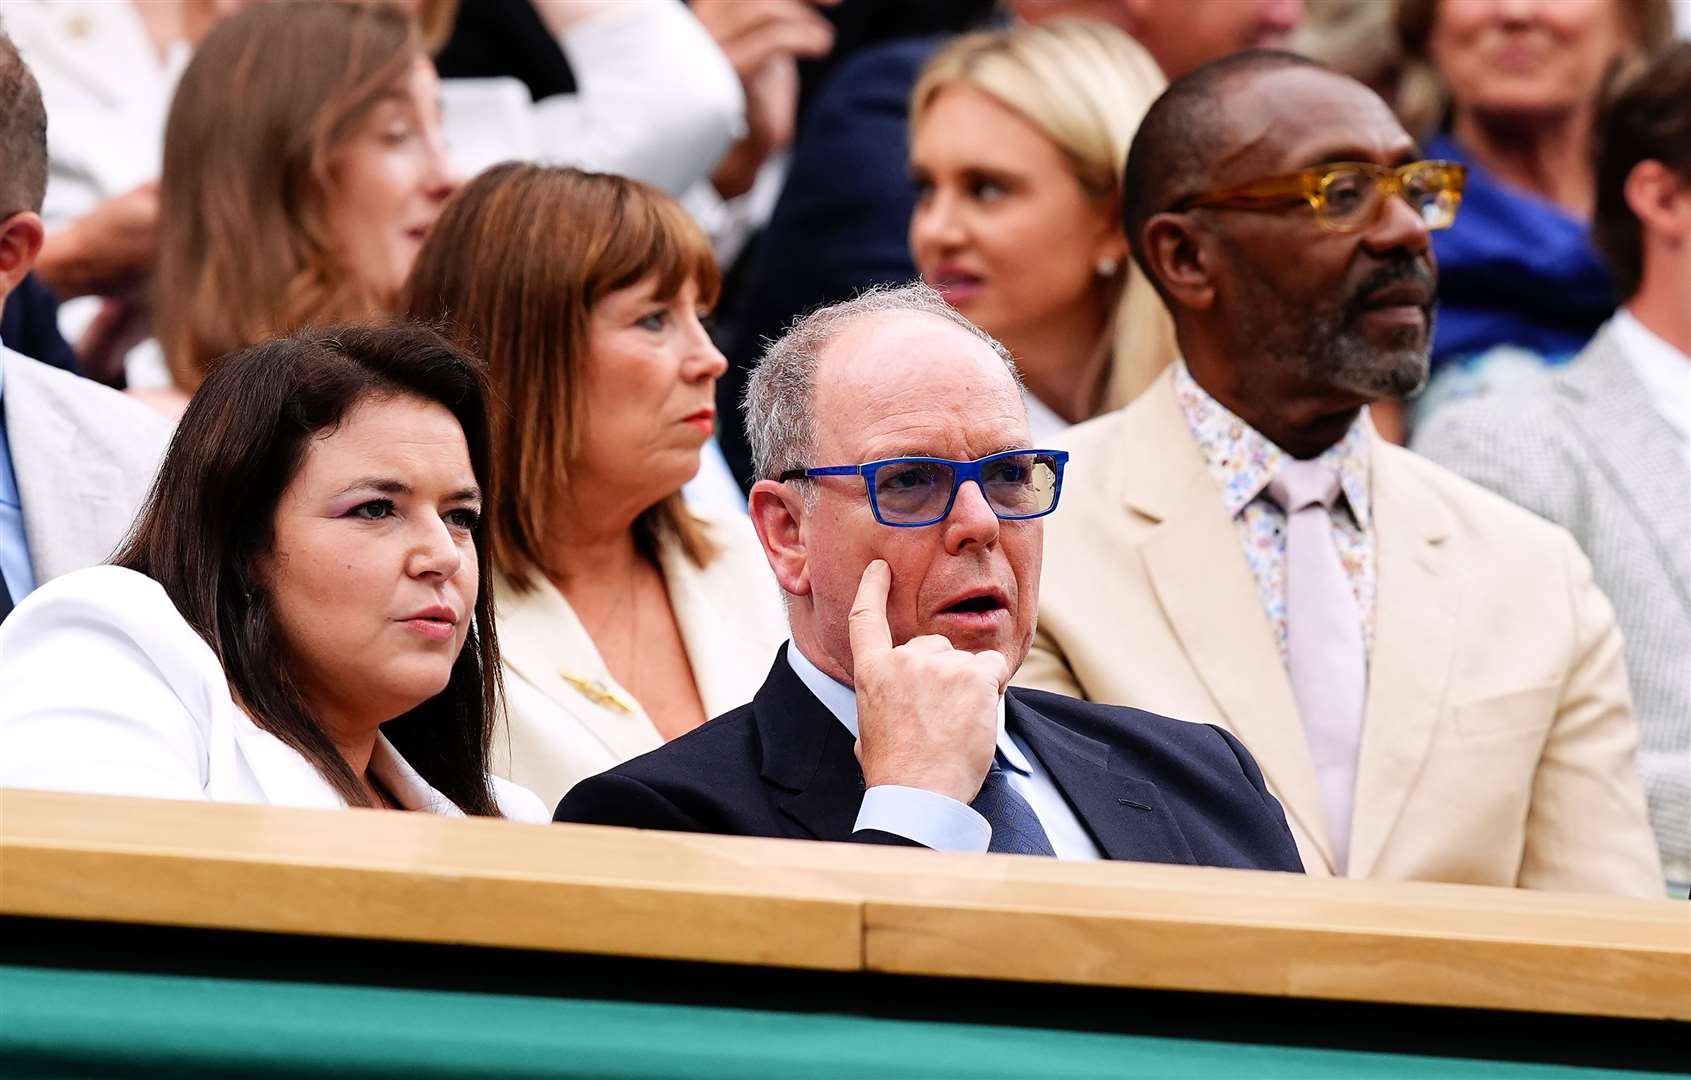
(841, 907)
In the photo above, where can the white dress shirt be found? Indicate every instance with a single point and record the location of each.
(1663, 369)
(937, 821)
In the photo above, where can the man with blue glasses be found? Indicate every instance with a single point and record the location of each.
(900, 511)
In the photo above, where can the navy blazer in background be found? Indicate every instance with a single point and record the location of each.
(1146, 788)
(842, 221)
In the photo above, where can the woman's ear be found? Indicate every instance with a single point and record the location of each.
(21, 236)
(777, 512)
(1176, 256)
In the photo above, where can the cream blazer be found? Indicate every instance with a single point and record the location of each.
(564, 722)
(105, 689)
(1498, 737)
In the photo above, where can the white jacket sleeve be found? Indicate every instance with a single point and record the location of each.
(99, 678)
(655, 97)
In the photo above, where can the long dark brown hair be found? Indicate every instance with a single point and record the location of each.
(512, 270)
(211, 516)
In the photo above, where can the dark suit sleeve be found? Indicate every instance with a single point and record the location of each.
(614, 799)
(1278, 846)
(876, 836)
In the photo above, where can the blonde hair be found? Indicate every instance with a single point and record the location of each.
(1086, 85)
(244, 250)
(1423, 100)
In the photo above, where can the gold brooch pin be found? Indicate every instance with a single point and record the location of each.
(600, 694)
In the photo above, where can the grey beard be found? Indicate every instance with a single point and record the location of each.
(1338, 356)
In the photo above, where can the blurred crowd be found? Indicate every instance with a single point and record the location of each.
(609, 294)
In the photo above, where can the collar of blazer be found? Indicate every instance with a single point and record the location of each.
(808, 754)
(1609, 409)
(1206, 593)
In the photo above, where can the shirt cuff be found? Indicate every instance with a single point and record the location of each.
(933, 820)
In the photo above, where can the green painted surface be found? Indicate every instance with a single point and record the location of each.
(78, 1023)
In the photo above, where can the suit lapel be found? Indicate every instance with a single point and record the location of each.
(1611, 411)
(807, 756)
(1416, 601)
(65, 501)
(541, 640)
(1124, 815)
(1204, 587)
(720, 652)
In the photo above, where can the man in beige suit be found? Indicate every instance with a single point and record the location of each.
(1428, 676)
(75, 458)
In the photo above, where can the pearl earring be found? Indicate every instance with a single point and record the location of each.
(1106, 267)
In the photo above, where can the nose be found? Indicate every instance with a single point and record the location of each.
(441, 177)
(434, 553)
(1398, 226)
(704, 359)
(1281, 17)
(1515, 12)
(971, 520)
(936, 225)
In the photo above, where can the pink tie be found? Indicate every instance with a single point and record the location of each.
(1325, 655)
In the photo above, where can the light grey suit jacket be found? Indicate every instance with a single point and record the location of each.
(1588, 451)
(84, 456)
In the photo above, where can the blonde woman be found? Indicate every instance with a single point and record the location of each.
(1018, 138)
(303, 197)
(626, 618)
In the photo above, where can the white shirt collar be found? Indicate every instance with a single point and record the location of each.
(841, 700)
(1663, 369)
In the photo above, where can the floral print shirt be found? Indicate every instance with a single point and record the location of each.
(1243, 461)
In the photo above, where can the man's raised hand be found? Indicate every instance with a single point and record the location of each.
(927, 713)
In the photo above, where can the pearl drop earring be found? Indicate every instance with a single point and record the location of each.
(1106, 267)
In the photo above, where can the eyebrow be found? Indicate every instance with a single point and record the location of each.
(387, 485)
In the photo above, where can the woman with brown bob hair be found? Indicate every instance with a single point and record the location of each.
(302, 614)
(627, 618)
(303, 165)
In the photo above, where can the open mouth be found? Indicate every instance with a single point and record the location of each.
(978, 604)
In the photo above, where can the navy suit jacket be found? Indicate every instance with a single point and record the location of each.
(1145, 787)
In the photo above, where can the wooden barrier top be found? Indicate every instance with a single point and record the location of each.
(842, 907)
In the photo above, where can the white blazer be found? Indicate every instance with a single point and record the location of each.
(105, 689)
(568, 718)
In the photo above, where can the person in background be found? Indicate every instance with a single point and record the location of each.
(304, 198)
(302, 616)
(1017, 140)
(1429, 676)
(1604, 449)
(627, 617)
(842, 220)
(75, 458)
(1510, 88)
(637, 87)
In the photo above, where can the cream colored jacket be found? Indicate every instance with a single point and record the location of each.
(567, 716)
(1498, 739)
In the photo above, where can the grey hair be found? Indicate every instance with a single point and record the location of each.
(780, 423)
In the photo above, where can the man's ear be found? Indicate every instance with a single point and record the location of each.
(1660, 199)
(777, 512)
(1176, 256)
(21, 236)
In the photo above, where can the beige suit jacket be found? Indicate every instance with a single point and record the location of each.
(84, 456)
(1498, 739)
(732, 622)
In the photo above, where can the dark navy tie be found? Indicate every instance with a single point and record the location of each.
(5, 599)
(1015, 827)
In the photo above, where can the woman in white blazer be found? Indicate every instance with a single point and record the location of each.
(627, 618)
(302, 615)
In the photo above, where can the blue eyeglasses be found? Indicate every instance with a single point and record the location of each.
(910, 492)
